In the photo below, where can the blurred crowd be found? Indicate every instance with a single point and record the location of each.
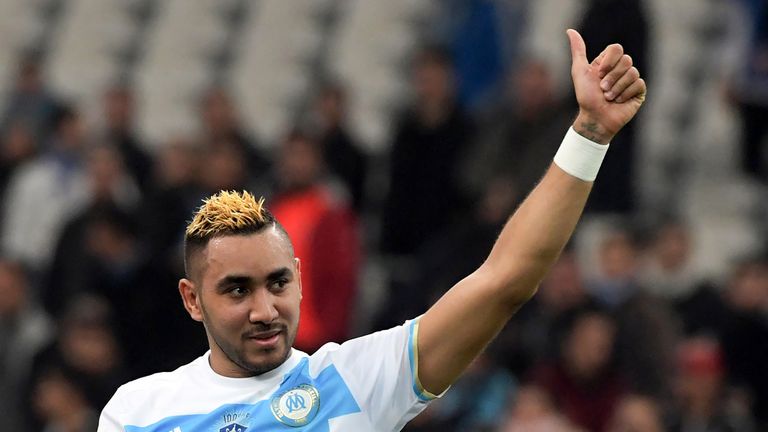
(625, 334)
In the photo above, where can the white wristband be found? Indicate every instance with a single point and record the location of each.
(579, 156)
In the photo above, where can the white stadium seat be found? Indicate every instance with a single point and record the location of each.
(85, 49)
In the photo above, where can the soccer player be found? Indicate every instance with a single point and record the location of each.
(243, 284)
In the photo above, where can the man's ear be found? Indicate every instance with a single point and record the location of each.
(191, 299)
(298, 272)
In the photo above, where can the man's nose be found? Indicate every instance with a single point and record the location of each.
(263, 307)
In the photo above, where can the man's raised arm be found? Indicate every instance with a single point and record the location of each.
(459, 326)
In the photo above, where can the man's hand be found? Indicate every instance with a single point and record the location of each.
(609, 90)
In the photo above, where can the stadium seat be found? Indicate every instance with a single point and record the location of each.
(85, 53)
(177, 66)
(372, 42)
(272, 69)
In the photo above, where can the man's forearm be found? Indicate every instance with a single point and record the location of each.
(535, 234)
(464, 320)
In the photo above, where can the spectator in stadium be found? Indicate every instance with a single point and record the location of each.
(343, 155)
(96, 252)
(533, 410)
(623, 22)
(45, 193)
(173, 196)
(17, 146)
(425, 192)
(745, 336)
(747, 88)
(323, 228)
(86, 349)
(668, 273)
(62, 404)
(702, 393)
(647, 327)
(24, 329)
(222, 125)
(430, 139)
(113, 265)
(667, 268)
(109, 179)
(483, 37)
(584, 380)
(226, 168)
(637, 413)
(118, 111)
(517, 137)
(110, 189)
(30, 102)
(616, 278)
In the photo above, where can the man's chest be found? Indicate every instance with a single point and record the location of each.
(301, 403)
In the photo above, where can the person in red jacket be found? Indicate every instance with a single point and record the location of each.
(317, 215)
(584, 382)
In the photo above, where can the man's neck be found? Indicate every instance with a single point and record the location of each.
(222, 365)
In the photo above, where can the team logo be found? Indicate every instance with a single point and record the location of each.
(296, 407)
(233, 428)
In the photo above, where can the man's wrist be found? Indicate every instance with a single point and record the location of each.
(580, 156)
(586, 126)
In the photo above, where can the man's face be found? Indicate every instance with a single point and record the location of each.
(12, 290)
(218, 112)
(72, 134)
(248, 299)
(299, 164)
(118, 108)
(589, 346)
(618, 257)
(225, 167)
(432, 81)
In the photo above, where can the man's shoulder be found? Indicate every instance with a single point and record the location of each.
(157, 382)
(363, 348)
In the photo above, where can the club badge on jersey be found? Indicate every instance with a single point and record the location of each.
(297, 406)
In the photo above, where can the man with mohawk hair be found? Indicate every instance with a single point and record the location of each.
(243, 284)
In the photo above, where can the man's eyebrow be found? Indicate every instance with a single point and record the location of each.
(280, 273)
(233, 280)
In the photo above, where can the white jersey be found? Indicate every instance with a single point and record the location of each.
(366, 384)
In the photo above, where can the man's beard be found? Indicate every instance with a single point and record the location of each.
(238, 355)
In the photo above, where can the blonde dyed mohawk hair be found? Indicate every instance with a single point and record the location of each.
(228, 212)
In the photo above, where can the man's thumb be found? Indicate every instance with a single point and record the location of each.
(578, 48)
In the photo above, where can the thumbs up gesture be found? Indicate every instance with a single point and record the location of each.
(609, 90)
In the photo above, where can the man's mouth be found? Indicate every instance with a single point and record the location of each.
(265, 338)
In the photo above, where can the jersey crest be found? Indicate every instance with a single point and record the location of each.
(297, 406)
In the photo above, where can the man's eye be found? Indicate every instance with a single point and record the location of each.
(279, 284)
(239, 291)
